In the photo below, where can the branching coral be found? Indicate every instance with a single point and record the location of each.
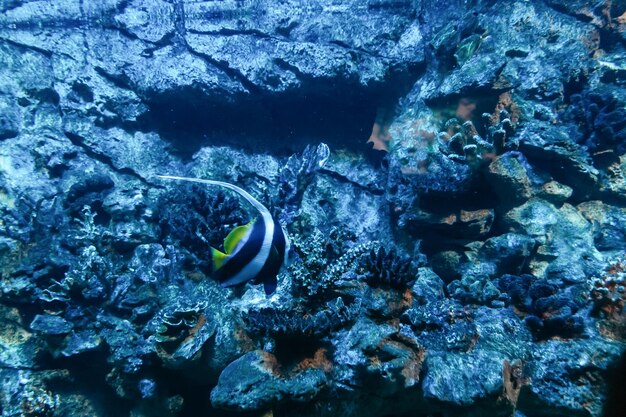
(324, 260)
(462, 142)
(296, 176)
(609, 291)
(198, 219)
(443, 322)
(387, 269)
(87, 229)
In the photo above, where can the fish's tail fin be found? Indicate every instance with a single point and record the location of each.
(218, 258)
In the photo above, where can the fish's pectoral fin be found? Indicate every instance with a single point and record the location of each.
(218, 259)
(235, 236)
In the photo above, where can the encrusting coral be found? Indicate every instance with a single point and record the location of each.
(601, 118)
(297, 322)
(549, 310)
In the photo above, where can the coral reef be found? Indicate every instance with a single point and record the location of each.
(297, 175)
(301, 324)
(608, 293)
(472, 265)
(325, 261)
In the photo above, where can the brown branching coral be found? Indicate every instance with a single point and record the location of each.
(609, 291)
(609, 297)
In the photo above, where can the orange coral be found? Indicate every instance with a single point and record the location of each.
(505, 102)
(380, 137)
(318, 361)
(465, 108)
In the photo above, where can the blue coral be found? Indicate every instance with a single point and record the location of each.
(549, 310)
(601, 119)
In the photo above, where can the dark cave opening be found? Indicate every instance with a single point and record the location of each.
(280, 125)
(340, 113)
(88, 371)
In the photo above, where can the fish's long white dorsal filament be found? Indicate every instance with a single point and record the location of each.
(262, 209)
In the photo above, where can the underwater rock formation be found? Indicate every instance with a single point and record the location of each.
(471, 264)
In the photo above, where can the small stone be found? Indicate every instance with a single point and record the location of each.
(147, 388)
(481, 379)
(477, 222)
(80, 342)
(51, 325)
(609, 224)
(555, 192)
(534, 218)
(447, 264)
(509, 179)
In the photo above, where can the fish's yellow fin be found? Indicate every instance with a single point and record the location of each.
(235, 236)
(218, 258)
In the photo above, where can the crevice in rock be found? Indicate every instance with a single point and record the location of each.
(610, 39)
(266, 123)
(27, 47)
(360, 51)
(88, 375)
(232, 32)
(121, 6)
(181, 30)
(346, 180)
(118, 81)
(281, 63)
(179, 19)
(44, 52)
(232, 73)
(563, 10)
(7, 5)
(105, 159)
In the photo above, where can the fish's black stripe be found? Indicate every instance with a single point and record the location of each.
(245, 255)
(272, 266)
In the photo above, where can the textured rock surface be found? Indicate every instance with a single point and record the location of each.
(470, 262)
(253, 382)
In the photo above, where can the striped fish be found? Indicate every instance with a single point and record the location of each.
(253, 252)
